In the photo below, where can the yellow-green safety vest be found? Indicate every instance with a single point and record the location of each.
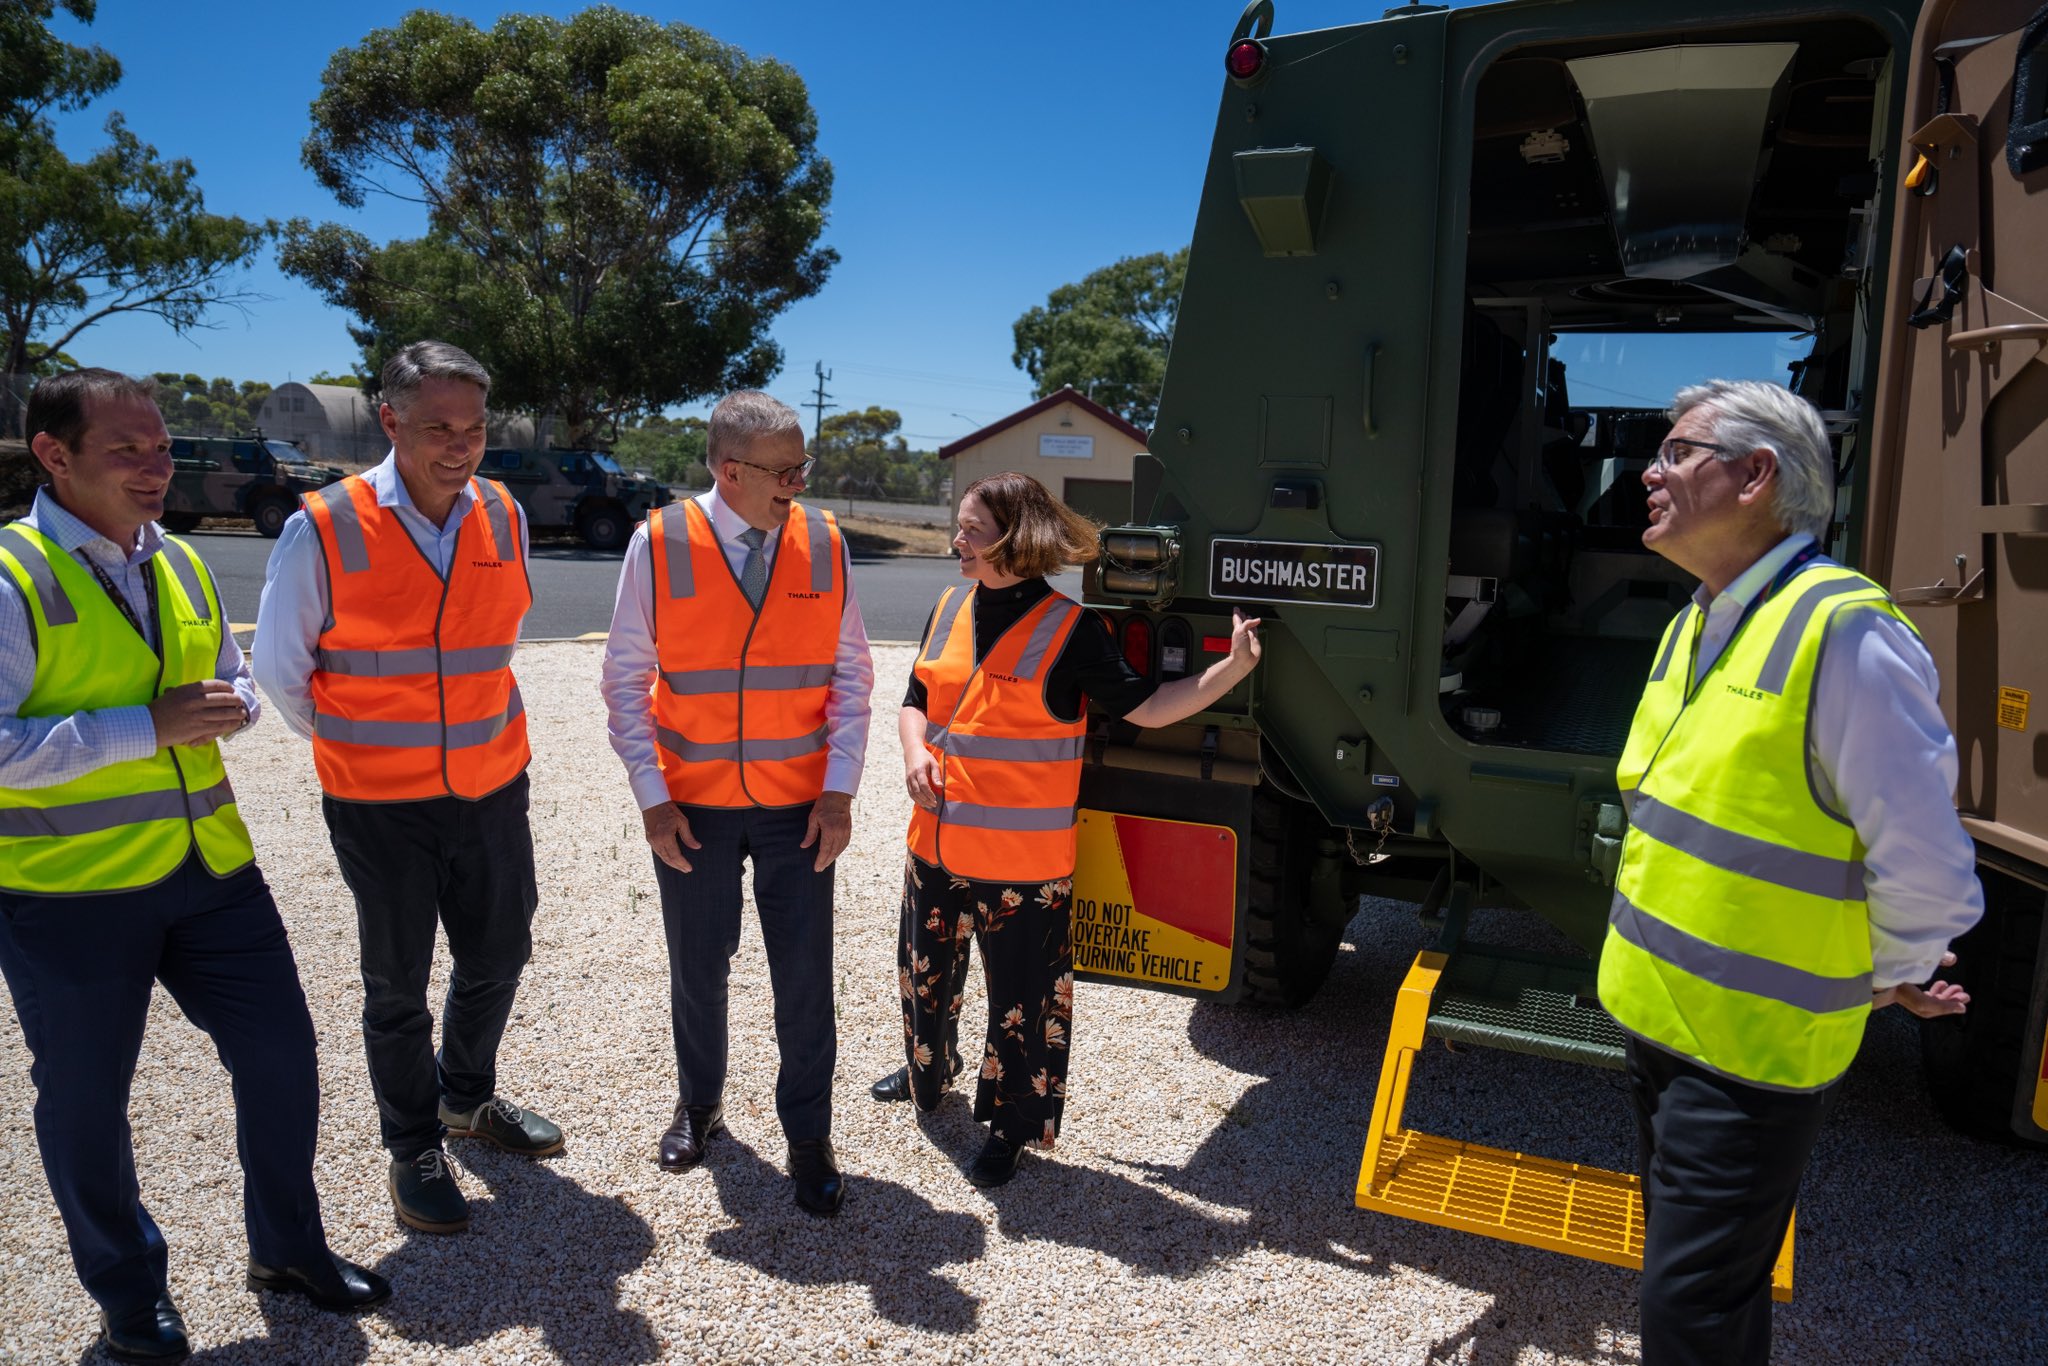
(129, 824)
(1739, 936)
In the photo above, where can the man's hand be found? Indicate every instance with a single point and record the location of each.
(831, 827)
(195, 713)
(1936, 999)
(925, 776)
(668, 831)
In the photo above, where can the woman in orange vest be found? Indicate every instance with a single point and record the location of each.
(992, 727)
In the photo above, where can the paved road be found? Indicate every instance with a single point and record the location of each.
(573, 587)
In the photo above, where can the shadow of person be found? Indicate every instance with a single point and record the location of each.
(886, 1237)
(541, 1252)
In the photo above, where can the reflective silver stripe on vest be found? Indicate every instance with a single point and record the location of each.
(348, 526)
(1678, 630)
(481, 659)
(1007, 817)
(110, 813)
(942, 624)
(759, 678)
(417, 734)
(1793, 869)
(821, 551)
(1628, 803)
(185, 568)
(1778, 664)
(500, 518)
(675, 540)
(1007, 747)
(1041, 640)
(1734, 969)
(57, 607)
(758, 751)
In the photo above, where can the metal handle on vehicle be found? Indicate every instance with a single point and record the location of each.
(1372, 351)
(1988, 338)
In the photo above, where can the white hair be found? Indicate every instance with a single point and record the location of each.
(742, 418)
(1745, 415)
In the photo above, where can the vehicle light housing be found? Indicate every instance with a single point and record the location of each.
(1138, 644)
(1245, 60)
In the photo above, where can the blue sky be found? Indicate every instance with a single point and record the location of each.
(985, 154)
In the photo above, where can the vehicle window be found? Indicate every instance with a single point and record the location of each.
(1644, 369)
(605, 463)
(572, 464)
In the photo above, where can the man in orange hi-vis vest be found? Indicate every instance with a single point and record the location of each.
(736, 678)
(390, 612)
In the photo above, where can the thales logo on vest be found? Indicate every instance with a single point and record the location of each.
(486, 564)
(1005, 678)
(1752, 694)
(805, 596)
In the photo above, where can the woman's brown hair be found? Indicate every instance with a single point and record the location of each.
(1040, 534)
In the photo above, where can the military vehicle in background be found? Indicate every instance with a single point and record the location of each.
(584, 492)
(240, 476)
(1447, 272)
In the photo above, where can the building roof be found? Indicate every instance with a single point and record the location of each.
(346, 409)
(1052, 400)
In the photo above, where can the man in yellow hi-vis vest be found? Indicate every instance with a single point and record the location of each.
(1793, 861)
(124, 862)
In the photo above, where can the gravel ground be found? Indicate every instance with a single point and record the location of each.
(1198, 1207)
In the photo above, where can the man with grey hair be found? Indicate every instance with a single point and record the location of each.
(736, 678)
(1793, 861)
(390, 612)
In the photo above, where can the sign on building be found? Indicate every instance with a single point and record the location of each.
(1068, 447)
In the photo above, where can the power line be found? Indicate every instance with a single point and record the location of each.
(819, 405)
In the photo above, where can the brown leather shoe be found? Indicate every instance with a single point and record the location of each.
(682, 1146)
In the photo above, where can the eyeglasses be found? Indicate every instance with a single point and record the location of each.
(788, 476)
(1676, 450)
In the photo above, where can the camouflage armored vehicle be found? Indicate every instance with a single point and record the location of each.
(1448, 270)
(241, 476)
(585, 492)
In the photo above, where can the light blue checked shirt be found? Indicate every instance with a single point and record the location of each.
(295, 607)
(42, 751)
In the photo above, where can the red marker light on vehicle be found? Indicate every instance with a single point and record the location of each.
(1138, 645)
(1245, 59)
(1216, 645)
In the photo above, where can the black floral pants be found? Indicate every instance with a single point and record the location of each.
(1027, 960)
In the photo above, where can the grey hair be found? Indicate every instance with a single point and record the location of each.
(1749, 414)
(405, 372)
(742, 418)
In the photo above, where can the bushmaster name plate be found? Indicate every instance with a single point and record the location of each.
(1294, 571)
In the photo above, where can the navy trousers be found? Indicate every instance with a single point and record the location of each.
(467, 866)
(1720, 1163)
(81, 970)
(700, 914)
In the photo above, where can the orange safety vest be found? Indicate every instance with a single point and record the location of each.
(739, 707)
(1012, 769)
(413, 694)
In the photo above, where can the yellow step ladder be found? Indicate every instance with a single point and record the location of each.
(1565, 1207)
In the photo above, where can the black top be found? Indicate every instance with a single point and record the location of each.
(1089, 665)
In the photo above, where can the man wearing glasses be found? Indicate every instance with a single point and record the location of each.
(736, 680)
(1793, 861)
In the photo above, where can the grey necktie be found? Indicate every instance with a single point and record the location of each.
(754, 573)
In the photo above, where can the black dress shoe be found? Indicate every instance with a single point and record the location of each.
(996, 1162)
(338, 1284)
(682, 1146)
(815, 1171)
(149, 1332)
(894, 1087)
(425, 1195)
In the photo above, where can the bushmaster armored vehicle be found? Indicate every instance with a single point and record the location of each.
(239, 476)
(580, 491)
(1447, 272)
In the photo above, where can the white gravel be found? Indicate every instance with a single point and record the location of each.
(1198, 1207)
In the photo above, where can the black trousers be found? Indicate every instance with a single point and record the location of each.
(1026, 932)
(81, 970)
(469, 867)
(1720, 1163)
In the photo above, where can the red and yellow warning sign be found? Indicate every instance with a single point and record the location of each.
(1155, 901)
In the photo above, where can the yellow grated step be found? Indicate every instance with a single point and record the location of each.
(1541, 1202)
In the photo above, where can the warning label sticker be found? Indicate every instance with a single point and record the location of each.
(2012, 707)
(1155, 901)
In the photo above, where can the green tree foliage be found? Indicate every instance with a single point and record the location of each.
(863, 455)
(209, 407)
(1108, 335)
(617, 209)
(672, 449)
(349, 381)
(123, 231)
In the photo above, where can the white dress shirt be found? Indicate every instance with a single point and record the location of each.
(631, 666)
(43, 751)
(296, 605)
(1881, 753)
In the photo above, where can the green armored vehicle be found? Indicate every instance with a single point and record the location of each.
(1449, 268)
(241, 476)
(585, 492)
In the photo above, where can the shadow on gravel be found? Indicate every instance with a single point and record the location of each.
(293, 1331)
(886, 1237)
(541, 1252)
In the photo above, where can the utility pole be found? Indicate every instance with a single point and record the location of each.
(819, 405)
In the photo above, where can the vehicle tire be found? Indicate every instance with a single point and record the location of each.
(1290, 940)
(604, 527)
(178, 523)
(1973, 1061)
(270, 514)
